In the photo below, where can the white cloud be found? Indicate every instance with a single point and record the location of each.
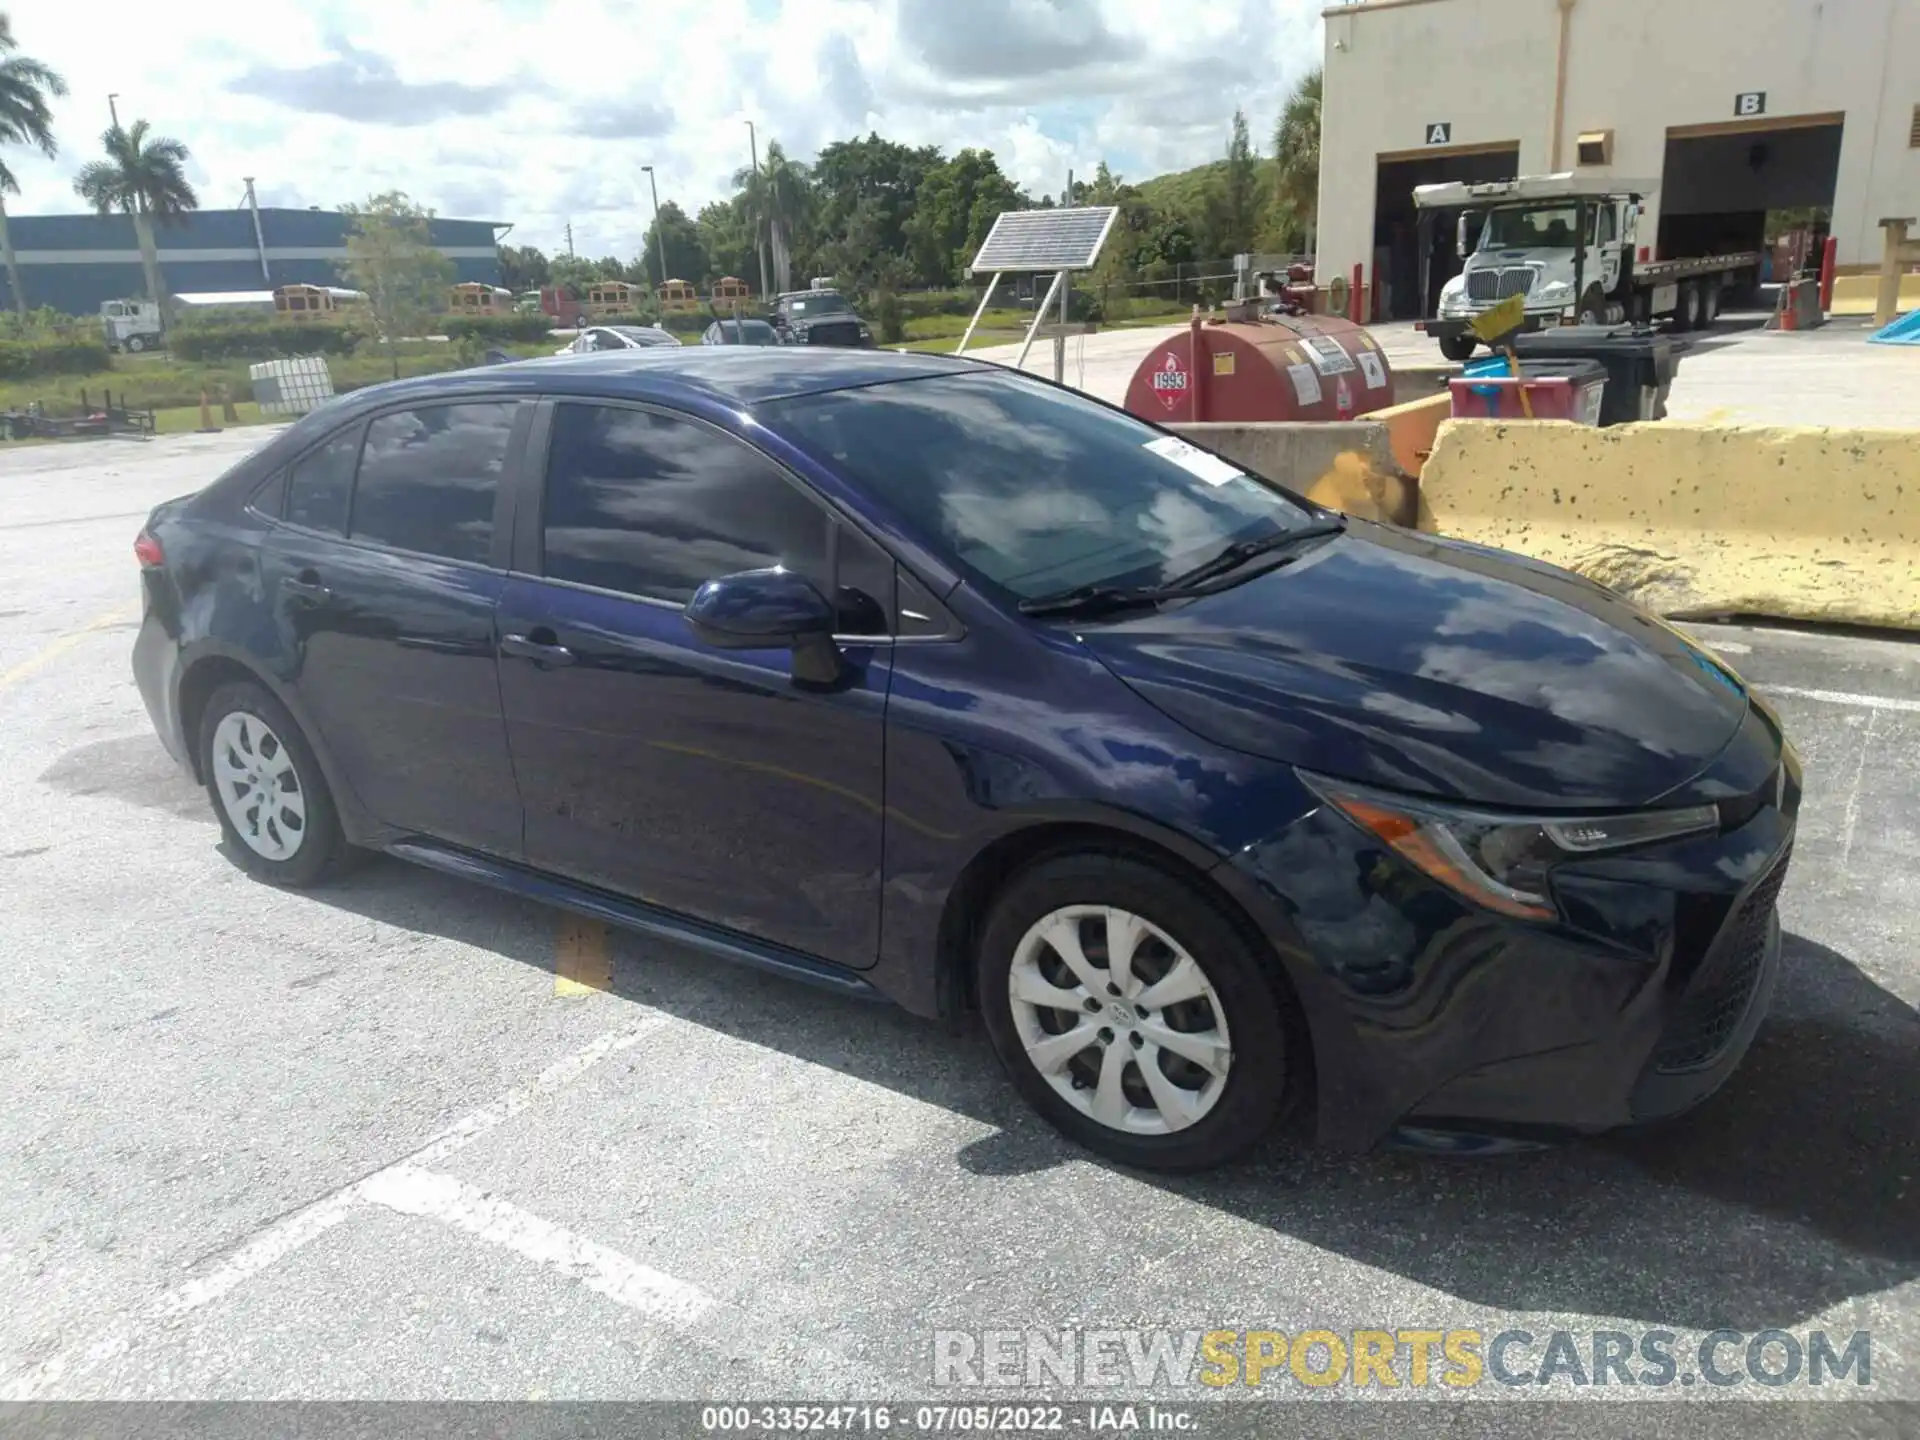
(542, 113)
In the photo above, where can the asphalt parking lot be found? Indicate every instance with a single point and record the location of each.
(405, 1138)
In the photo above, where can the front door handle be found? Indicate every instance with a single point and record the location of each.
(541, 647)
(306, 586)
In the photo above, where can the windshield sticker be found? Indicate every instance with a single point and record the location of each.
(1375, 372)
(1328, 357)
(1201, 464)
(1306, 384)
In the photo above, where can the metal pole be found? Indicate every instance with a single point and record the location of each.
(659, 241)
(259, 236)
(979, 310)
(1060, 340)
(759, 240)
(113, 109)
(1039, 318)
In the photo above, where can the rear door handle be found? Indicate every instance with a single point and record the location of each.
(541, 647)
(307, 589)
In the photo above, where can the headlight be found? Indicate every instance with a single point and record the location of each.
(1554, 290)
(1499, 861)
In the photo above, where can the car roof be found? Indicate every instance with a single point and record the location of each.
(729, 374)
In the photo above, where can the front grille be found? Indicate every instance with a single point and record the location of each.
(1499, 284)
(1717, 999)
(835, 333)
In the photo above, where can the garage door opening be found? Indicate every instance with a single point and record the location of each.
(1721, 182)
(1397, 257)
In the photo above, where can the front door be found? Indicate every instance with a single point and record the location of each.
(707, 782)
(384, 579)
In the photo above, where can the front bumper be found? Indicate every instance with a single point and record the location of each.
(1449, 326)
(1636, 1004)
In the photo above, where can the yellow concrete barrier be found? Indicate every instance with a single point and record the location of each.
(1411, 427)
(1808, 524)
(1857, 294)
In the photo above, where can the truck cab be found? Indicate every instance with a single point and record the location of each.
(1565, 243)
(131, 324)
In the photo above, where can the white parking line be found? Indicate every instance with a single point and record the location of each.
(1842, 697)
(625, 1281)
(282, 1239)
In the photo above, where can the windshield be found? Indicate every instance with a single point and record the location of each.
(818, 305)
(1034, 490)
(1530, 228)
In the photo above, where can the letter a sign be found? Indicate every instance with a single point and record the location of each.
(1440, 133)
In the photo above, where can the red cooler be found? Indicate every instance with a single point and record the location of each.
(1557, 390)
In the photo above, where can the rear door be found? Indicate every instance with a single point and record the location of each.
(384, 575)
(707, 782)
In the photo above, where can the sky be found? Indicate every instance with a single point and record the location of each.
(541, 112)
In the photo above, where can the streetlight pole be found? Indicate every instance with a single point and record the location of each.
(114, 110)
(659, 241)
(759, 239)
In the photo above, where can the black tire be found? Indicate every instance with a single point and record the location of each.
(1593, 306)
(1683, 304)
(1707, 304)
(135, 344)
(1458, 348)
(1266, 1072)
(322, 850)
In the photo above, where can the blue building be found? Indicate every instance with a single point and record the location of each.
(74, 262)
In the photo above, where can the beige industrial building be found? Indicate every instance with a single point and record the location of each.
(1736, 108)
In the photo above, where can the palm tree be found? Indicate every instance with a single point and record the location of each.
(776, 198)
(1296, 152)
(145, 179)
(25, 119)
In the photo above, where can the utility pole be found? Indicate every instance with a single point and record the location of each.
(113, 109)
(569, 239)
(759, 237)
(659, 241)
(259, 236)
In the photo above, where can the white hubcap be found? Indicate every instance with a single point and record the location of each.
(1119, 1019)
(258, 786)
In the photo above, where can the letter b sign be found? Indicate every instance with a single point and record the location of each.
(1750, 102)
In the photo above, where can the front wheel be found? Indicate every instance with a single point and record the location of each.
(268, 793)
(1458, 348)
(136, 344)
(1134, 1015)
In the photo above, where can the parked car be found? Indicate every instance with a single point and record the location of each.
(740, 332)
(617, 337)
(921, 679)
(819, 317)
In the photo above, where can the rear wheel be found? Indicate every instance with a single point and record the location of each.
(1683, 307)
(267, 790)
(1133, 1014)
(1458, 348)
(1706, 304)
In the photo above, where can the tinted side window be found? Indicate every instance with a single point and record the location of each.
(651, 505)
(428, 478)
(318, 487)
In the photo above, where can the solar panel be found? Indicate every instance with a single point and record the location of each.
(1045, 239)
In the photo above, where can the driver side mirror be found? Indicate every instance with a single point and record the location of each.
(1462, 246)
(765, 610)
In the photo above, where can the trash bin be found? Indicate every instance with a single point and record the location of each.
(1556, 390)
(1640, 365)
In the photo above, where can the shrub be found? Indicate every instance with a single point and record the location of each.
(26, 359)
(493, 329)
(887, 315)
(259, 340)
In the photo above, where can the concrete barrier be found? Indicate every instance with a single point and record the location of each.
(1411, 428)
(1346, 465)
(1808, 524)
(1856, 294)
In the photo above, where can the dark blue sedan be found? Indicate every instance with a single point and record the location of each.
(920, 679)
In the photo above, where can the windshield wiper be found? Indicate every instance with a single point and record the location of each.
(1090, 599)
(1241, 551)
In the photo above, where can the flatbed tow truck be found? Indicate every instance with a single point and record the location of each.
(1566, 243)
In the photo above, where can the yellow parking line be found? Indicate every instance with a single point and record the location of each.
(66, 642)
(582, 963)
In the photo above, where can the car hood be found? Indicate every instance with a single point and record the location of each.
(1436, 667)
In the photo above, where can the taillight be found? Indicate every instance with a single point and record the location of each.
(146, 549)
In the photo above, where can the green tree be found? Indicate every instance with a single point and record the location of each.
(686, 257)
(1296, 153)
(523, 267)
(572, 274)
(727, 237)
(25, 119)
(875, 175)
(956, 207)
(391, 257)
(145, 177)
(1241, 209)
(778, 198)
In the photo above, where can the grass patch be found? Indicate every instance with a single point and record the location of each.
(180, 419)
